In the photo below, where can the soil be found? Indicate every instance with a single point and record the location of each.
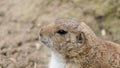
(21, 20)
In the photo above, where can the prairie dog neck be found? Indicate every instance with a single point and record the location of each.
(56, 61)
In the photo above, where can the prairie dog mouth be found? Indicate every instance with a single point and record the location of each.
(46, 41)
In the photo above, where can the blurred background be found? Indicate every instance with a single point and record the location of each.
(20, 22)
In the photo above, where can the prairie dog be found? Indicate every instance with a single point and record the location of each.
(74, 45)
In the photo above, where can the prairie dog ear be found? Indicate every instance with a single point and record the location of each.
(81, 38)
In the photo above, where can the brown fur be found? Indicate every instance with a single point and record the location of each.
(91, 53)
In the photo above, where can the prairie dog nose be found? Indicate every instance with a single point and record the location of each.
(46, 30)
(42, 38)
(40, 32)
(43, 32)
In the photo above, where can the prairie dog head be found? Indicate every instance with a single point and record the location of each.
(66, 36)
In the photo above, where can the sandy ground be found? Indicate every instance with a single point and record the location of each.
(19, 46)
(20, 22)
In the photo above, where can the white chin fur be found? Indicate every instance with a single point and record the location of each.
(56, 62)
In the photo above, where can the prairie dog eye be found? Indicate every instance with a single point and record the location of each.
(61, 32)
